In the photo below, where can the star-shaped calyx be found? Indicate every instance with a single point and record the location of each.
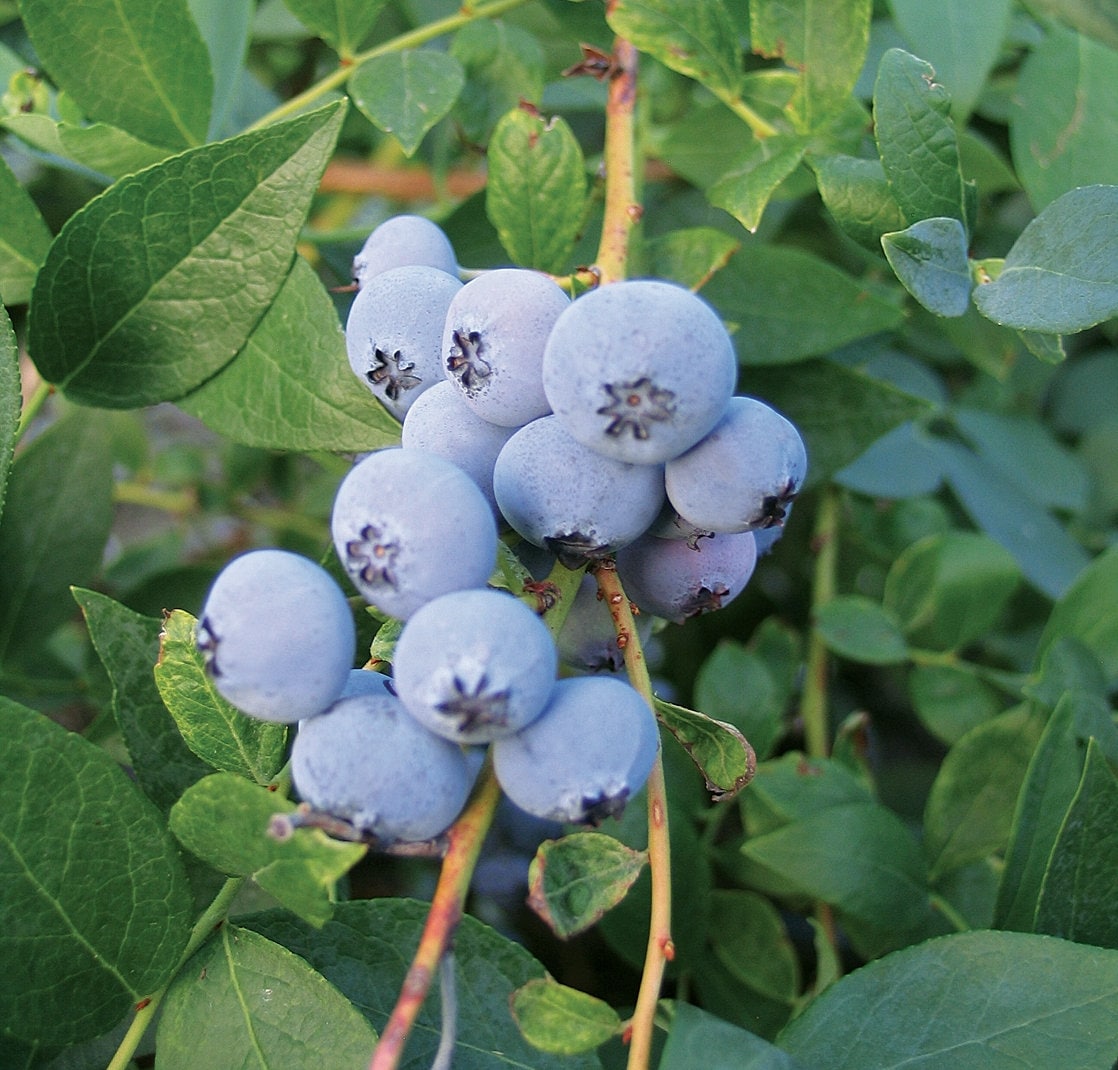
(465, 360)
(635, 406)
(393, 370)
(372, 556)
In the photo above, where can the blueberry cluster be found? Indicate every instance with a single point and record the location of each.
(603, 426)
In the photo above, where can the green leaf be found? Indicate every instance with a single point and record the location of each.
(574, 880)
(857, 194)
(246, 1001)
(969, 813)
(860, 858)
(1086, 612)
(1061, 276)
(916, 139)
(24, 239)
(690, 256)
(1054, 775)
(1047, 555)
(950, 589)
(794, 787)
(697, 38)
(225, 28)
(930, 258)
(1063, 116)
(222, 736)
(819, 399)
(128, 646)
(140, 65)
(406, 93)
(699, 1038)
(364, 951)
(1002, 1001)
(960, 39)
(536, 195)
(98, 146)
(1093, 18)
(1077, 898)
(343, 24)
(724, 756)
(950, 700)
(291, 387)
(562, 1020)
(57, 520)
(95, 903)
(827, 43)
(750, 940)
(218, 226)
(745, 191)
(788, 304)
(503, 65)
(857, 627)
(11, 401)
(225, 821)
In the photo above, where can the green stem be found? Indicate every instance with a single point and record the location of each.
(213, 916)
(761, 128)
(421, 35)
(34, 405)
(814, 701)
(950, 913)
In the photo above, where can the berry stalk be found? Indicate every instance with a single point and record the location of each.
(465, 838)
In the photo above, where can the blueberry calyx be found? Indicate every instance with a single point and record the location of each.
(595, 810)
(634, 405)
(206, 641)
(466, 361)
(574, 549)
(474, 704)
(774, 507)
(704, 600)
(372, 556)
(399, 379)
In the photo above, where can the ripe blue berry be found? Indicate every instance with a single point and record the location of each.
(493, 343)
(368, 761)
(584, 756)
(276, 635)
(744, 474)
(367, 682)
(673, 579)
(441, 422)
(409, 526)
(474, 665)
(577, 503)
(639, 370)
(403, 240)
(394, 331)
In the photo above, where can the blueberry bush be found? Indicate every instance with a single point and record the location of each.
(775, 341)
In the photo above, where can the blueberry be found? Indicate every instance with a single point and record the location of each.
(474, 665)
(367, 761)
(576, 502)
(584, 756)
(440, 422)
(402, 240)
(588, 638)
(276, 635)
(493, 343)
(409, 526)
(367, 682)
(744, 474)
(394, 331)
(673, 579)
(639, 370)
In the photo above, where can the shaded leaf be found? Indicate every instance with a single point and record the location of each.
(857, 627)
(930, 258)
(1061, 276)
(140, 65)
(1093, 18)
(225, 27)
(857, 194)
(261, 1005)
(57, 520)
(724, 756)
(691, 256)
(343, 24)
(225, 821)
(1086, 613)
(699, 1038)
(536, 193)
(1002, 1001)
(406, 93)
(794, 787)
(562, 1020)
(950, 700)
(24, 239)
(128, 646)
(11, 400)
(749, 938)
(574, 880)
(745, 191)
(88, 929)
(219, 733)
(291, 387)
(218, 226)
